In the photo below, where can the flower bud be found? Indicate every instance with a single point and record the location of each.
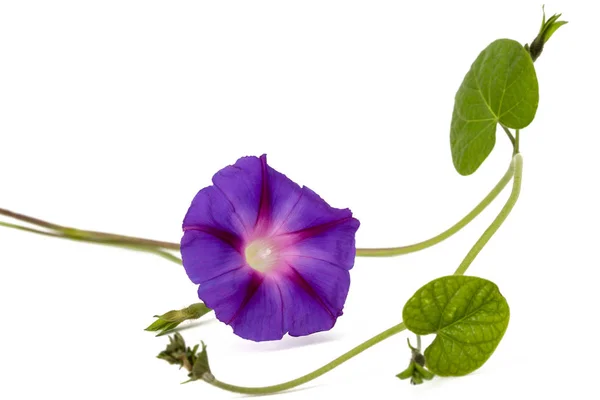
(548, 28)
(416, 368)
(170, 320)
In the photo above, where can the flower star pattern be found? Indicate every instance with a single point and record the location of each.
(270, 257)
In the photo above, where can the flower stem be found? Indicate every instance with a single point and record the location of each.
(396, 251)
(315, 374)
(491, 230)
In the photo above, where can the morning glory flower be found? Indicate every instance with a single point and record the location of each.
(270, 257)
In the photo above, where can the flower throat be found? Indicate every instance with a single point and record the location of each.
(261, 255)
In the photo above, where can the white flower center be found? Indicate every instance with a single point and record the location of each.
(261, 255)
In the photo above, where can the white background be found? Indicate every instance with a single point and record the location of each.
(113, 114)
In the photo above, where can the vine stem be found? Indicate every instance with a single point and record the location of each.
(511, 138)
(146, 249)
(396, 251)
(92, 236)
(136, 243)
(517, 161)
(313, 375)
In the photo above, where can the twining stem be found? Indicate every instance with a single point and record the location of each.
(107, 242)
(491, 230)
(395, 251)
(511, 137)
(316, 373)
(92, 236)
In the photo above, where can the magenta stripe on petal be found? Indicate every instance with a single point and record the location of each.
(263, 219)
(323, 280)
(285, 194)
(227, 293)
(210, 208)
(206, 257)
(310, 211)
(261, 318)
(303, 313)
(241, 184)
(232, 240)
(335, 245)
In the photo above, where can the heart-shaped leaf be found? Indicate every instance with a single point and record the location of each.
(469, 317)
(501, 87)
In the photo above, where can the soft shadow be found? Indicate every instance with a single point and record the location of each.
(288, 342)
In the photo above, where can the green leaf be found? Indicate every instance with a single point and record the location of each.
(469, 317)
(501, 87)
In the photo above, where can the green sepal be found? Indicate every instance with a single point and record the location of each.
(194, 361)
(415, 370)
(176, 352)
(407, 373)
(424, 373)
(201, 367)
(416, 379)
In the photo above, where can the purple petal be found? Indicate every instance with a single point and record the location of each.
(305, 311)
(211, 209)
(335, 245)
(304, 299)
(259, 194)
(326, 282)
(284, 195)
(206, 256)
(241, 184)
(227, 293)
(260, 318)
(311, 211)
